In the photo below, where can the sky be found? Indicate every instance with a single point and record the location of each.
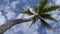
(9, 10)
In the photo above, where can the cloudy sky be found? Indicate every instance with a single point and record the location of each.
(9, 10)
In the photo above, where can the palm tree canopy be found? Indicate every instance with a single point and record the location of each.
(41, 13)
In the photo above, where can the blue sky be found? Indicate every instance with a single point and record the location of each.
(9, 10)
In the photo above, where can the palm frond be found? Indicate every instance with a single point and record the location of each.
(45, 24)
(36, 9)
(48, 16)
(59, 9)
(33, 21)
(50, 9)
(42, 4)
(26, 12)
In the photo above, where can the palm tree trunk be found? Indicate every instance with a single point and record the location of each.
(11, 23)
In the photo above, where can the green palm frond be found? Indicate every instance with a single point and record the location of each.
(59, 9)
(36, 9)
(26, 12)
(48, 16)
(50, 9)
(33, 21)
(45, 24)
(42, 4)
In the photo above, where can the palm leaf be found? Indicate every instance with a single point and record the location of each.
(50, 9)
(36, 9)
(45, 24)
(42, 4)
(33, 21)
(26, 12)
(48, 16)
(59, 9)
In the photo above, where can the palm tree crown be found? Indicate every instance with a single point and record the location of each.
(42, 11)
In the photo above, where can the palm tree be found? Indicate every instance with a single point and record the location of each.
(42, 12)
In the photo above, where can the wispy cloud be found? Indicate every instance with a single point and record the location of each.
(2, 19)
(57, 2)
(13, 4)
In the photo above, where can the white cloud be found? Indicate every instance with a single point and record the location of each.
(8, 9)
(13, 4)
(57, 2)
(35, 32)
(2, 19)
(0, 13)
(10, 15)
